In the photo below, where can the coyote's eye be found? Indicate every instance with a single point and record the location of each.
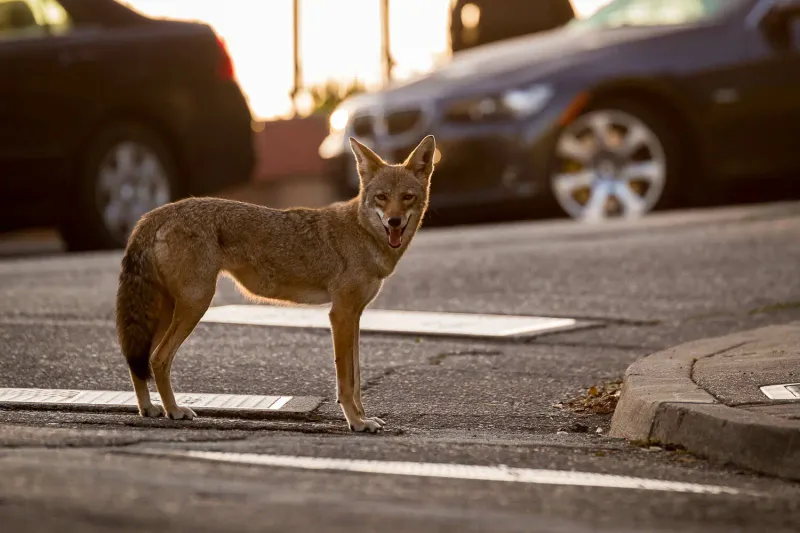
(408, 197)
(381, 197)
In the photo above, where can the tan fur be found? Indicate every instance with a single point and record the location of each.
(339, 254)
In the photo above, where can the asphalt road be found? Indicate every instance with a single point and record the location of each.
(652, 284)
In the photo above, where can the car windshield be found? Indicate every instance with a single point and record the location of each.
(657, 13)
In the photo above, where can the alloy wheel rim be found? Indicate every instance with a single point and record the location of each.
(608, 163)
(131, 181)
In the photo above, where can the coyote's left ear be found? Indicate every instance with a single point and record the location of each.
(420, 162)
(368, 161)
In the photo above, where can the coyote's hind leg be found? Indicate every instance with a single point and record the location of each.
(186, 316)
(145, 404)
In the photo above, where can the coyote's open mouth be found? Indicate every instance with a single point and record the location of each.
(395, 236)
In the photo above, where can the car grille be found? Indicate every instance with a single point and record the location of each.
(459, 114)
(469, 165)
(396, 123)
(363, 126)
(400, 122)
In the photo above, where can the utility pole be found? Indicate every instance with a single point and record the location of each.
(298, 78)
(386, 51)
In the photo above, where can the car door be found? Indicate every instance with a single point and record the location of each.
(770, 87)
(34, 100)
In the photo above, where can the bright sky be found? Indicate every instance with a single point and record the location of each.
(338, 40)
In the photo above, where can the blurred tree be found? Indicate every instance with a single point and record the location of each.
(330, 94)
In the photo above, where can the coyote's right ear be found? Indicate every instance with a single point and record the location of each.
(368, 161)
(420, 162)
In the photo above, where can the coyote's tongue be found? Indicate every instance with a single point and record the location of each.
(395, 237)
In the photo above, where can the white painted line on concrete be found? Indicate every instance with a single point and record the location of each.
(102, 398)
(785, 391)
(280, 402)
(452, 471)
(379, 320)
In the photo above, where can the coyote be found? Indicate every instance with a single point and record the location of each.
(338, 255)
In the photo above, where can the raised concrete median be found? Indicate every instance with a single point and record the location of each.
(708, 397)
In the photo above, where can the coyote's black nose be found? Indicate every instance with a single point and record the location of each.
(395, 222)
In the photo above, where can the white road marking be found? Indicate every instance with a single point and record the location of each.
(786, 391)
(102, 398)
(280, 402)
(453, 471)
(460, 324)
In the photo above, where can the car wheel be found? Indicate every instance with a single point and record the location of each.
(126, 172)
(615, 160)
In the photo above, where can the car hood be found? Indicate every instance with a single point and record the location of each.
(518, 60)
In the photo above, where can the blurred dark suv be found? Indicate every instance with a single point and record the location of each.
(106, 114)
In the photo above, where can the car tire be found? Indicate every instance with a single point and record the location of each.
(125, 171)
(609, 174)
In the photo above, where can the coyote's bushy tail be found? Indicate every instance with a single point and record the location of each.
(138, 304)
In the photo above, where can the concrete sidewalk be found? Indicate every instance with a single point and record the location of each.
(706, 396)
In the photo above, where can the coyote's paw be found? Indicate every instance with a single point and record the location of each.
(371, 425)
(151, 411)
(183, 413)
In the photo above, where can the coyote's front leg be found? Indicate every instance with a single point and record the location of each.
(357, 374)
(344, 325)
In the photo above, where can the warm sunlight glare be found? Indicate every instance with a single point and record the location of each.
(338, 40)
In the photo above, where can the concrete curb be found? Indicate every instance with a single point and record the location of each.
(660, 402)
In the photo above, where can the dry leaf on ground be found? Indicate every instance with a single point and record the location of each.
(599, 400)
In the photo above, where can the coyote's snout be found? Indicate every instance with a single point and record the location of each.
(394, 208)
(340, 254)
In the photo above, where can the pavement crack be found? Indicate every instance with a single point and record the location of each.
(433, 360)
(374, 381)
(718, 352)
(614, 321)
(767, 309)
(609, 345)
(774, 308)
(439, 358)
(80, 444)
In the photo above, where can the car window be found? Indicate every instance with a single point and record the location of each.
(24, 19)
(18, 20)
(658, 12)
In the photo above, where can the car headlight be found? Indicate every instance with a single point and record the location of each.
(339, 119)
(527, 101)
(516, 103)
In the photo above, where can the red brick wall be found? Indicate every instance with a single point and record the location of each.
(288, 148)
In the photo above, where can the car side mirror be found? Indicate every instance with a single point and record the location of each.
(780, 24)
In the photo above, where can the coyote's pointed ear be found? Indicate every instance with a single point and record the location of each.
(420, 162)
(368, 161)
